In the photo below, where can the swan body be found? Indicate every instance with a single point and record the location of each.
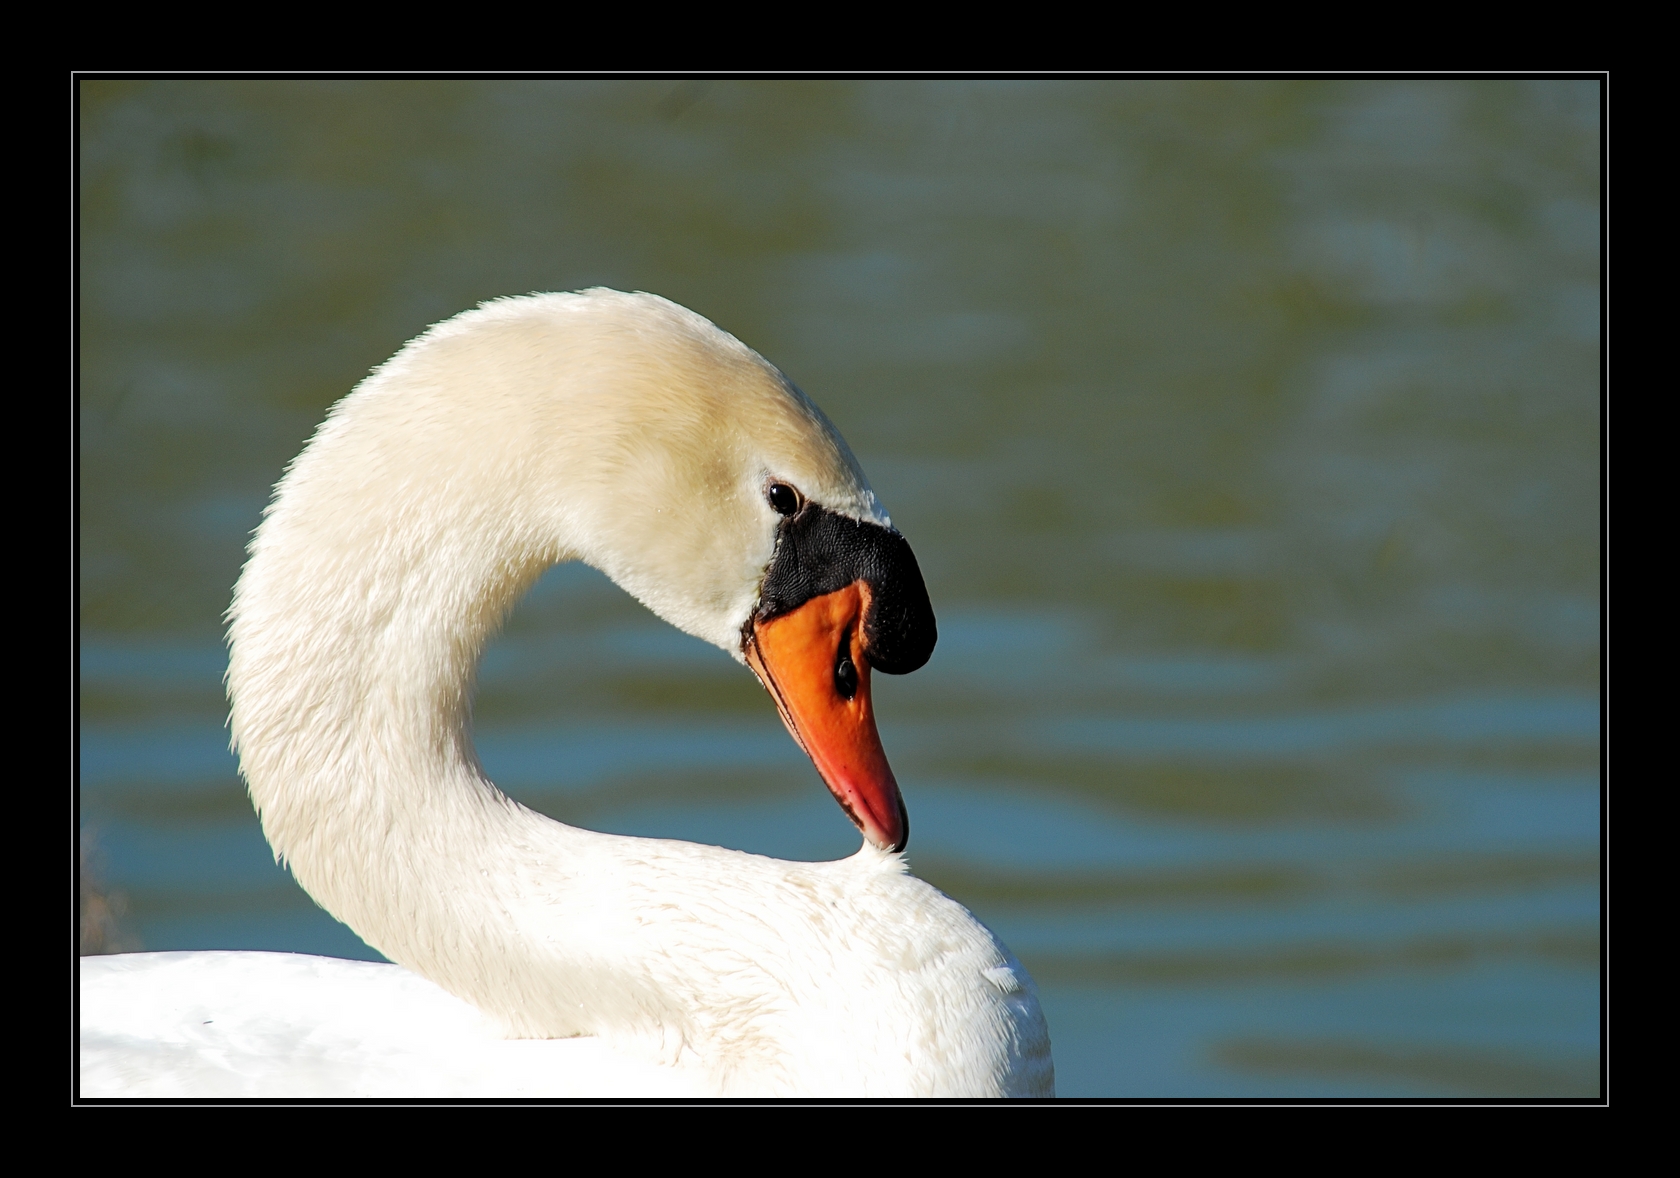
(534, 957)
(286, 1024)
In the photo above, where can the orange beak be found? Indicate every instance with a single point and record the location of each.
(813, 664)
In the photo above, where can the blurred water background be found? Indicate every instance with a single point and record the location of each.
(1247, 434)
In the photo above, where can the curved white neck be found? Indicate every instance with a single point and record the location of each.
(356, 630)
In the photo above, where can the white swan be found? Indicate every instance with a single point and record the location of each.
(630, 433)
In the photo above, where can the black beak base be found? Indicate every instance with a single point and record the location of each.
(818, 551)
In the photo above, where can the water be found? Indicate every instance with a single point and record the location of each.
(1247, 435)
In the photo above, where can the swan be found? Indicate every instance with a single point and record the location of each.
(534, 958)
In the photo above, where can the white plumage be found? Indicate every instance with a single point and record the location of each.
(540, 959)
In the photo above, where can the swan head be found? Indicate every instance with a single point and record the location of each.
(635, 435)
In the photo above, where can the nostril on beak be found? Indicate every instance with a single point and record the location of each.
(845, 670)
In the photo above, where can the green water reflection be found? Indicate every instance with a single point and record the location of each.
(1247, 434)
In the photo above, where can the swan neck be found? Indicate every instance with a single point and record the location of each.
(373, 586)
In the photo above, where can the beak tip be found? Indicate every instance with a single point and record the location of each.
(885, 840)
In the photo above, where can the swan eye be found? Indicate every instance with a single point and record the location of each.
(783, 498)
(845, 672)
